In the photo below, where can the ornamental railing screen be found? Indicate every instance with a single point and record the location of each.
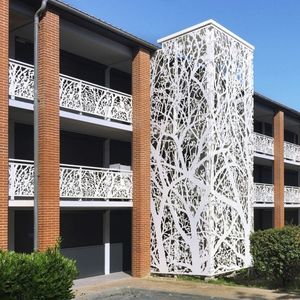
(264, 194)
(292, 152)
(75, 95)
(263, 144)
(76, 182)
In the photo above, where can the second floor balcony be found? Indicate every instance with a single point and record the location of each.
(264, 195)
(264, 144)
(77, 183)
(75, 95)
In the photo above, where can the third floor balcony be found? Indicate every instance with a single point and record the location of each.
(75, 95)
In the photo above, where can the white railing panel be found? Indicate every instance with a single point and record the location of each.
(292, 152)
(75, 94)
(90, 183)
(76, 182)
(263, 144)
(21, 179)
(291, 195)
(94, 99)
(263, 193)
(21, 83)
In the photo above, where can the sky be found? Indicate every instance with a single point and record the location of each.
(272, 26)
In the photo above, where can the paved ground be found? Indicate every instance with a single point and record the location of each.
(121, 286)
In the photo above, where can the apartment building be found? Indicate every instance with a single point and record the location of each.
(276, 164)
(94, 138)
(124, 193)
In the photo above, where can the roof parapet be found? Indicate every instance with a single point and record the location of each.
(209, 22)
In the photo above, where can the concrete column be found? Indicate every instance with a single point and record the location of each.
(106, 217)
(11, 139)
(141, 163)
(11, 229)
(278, 124)
(106, 153)
(49, 131)
(4, 42)
(107, 77)
(12, 45)
(106, 239)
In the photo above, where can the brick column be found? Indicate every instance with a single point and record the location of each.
(141, 164)
(278, 125)
(49, 126)
(4, 30)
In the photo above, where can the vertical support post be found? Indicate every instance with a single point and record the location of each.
(11, 229)
(49, 131)
(106, 238)
(107, 77)
(106, 153)
(106, 218)
(11, 139)
(12, 45)
(107, 84)
(4, 38)
(141, 163)
(278, 124)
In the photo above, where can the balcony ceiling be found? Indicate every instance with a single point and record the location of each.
(90, 45)
(26, 117)
(79, 41)
(17, 20)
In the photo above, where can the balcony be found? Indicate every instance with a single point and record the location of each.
(292, 152)
(264, 195)
(264, 144)
(75, 95)
(76, 182)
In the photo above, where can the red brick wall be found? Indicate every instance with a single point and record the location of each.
(49, 126)
(4, 13)
(141, 164)
(279, 170)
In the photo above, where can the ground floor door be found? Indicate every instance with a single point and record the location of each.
(98, 244)
(82, 240)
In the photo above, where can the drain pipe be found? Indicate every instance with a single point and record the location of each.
(36, 124)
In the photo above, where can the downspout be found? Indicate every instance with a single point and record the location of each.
(35, 123)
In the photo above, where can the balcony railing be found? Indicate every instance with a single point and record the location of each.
(292, 195)
(263, 144)
(264, 194)
(76, 182)
(75, 95)
(292, 152)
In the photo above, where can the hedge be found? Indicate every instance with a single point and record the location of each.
(276, 254)
(40, 275)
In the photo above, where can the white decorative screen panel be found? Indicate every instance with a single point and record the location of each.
(76, 182)
(202, 153)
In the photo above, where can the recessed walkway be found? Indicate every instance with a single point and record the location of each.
(122, 286)
(86, 283)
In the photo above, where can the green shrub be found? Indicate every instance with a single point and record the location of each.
(276, 254)
(40, 275)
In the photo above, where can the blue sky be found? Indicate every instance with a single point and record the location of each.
(272, 26)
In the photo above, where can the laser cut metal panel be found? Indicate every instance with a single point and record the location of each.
(201, 153)
(76, 182)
